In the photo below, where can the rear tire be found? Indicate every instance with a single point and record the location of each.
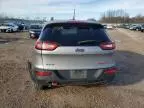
(32, 76)
(39, 87)
(36, 85)
(11, 30)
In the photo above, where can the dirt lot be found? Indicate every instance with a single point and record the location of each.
(126, 91)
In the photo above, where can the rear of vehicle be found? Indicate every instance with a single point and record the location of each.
(73, 53)
(35, 31)
(133, 27)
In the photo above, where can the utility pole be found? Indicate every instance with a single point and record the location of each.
(74, 15)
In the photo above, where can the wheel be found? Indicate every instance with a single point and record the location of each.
(36, 85)
(3, 31)
(137, 29)
(32, 76)
(8, 31)
(11, 30)
(42, 87)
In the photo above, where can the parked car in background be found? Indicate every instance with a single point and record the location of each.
(135, 27)
(20, 27)
(142, 28)
(105, 26)
(8, 27)
(35, 30)
(109, 27)
(138, 28)
(132, 27)
(125, 26)
(72, 52)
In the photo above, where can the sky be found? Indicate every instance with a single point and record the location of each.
(63, 9)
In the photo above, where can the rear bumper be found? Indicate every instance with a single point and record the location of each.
(66, 80)
(102, 79)
(56, 83)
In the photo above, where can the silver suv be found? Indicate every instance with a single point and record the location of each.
(72, 52)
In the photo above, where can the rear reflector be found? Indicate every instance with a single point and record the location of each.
(110, 71)
(43, 73)
(50, 46)
(107, 45)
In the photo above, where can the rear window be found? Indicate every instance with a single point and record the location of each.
(35, 27)
(75, 34)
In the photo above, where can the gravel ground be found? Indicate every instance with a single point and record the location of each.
(126, 91)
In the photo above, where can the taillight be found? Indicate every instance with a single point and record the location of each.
(43, 73)
(110, 71)
(50, 46)
(107, 45)
(38, 45)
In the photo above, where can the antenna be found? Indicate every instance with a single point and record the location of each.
(74, 15)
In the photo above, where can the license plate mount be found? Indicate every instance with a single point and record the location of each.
(78, 74)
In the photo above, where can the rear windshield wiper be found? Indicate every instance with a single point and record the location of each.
(89, 41)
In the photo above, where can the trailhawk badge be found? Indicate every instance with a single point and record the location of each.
(79, 50)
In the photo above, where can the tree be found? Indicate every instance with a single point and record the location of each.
(91, 19)
(114, 16)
